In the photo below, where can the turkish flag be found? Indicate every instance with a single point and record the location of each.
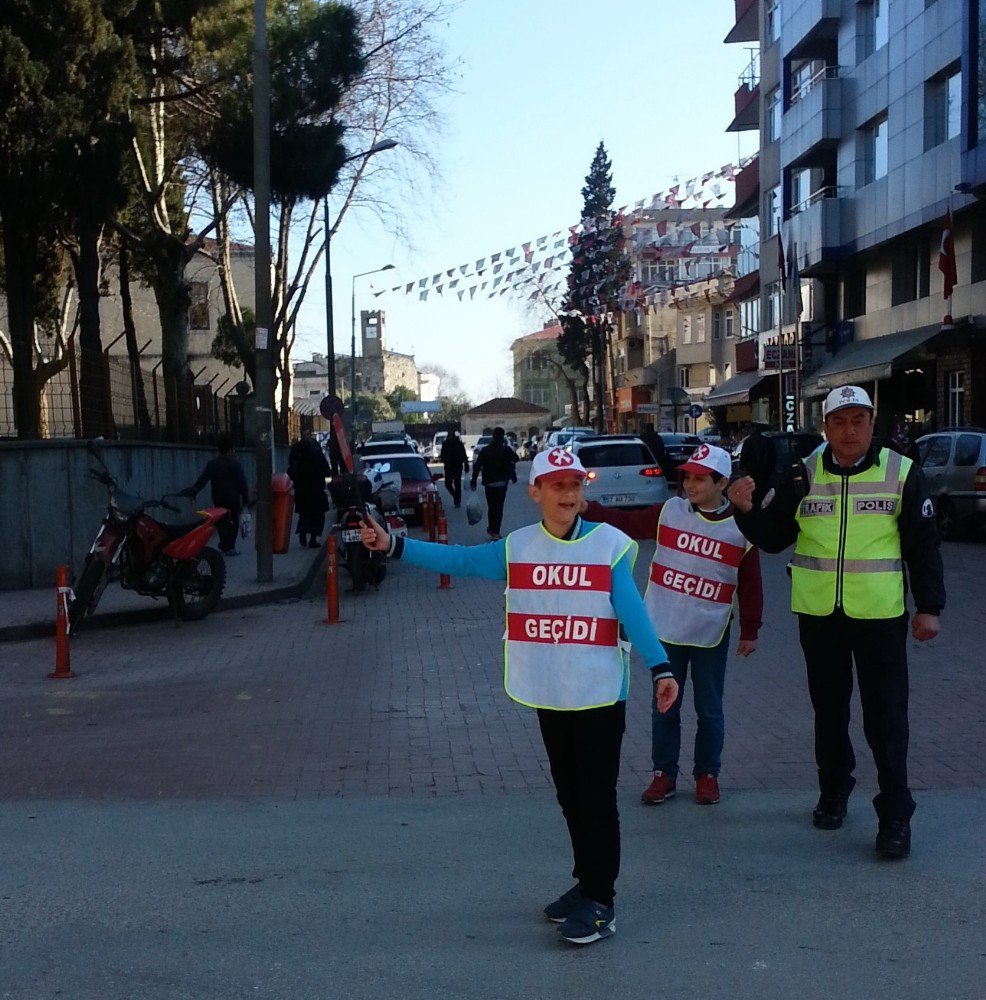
(946, 256)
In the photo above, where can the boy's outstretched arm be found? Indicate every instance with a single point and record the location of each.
(488, 561)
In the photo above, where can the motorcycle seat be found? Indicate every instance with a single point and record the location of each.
(174, 531)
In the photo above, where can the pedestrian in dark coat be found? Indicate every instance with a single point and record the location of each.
(652, 439)
(229, 489)
(308, 469)
(497, 462)
(455, 461)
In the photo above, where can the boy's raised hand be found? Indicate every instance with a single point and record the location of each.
(667, 693)
(373, 535)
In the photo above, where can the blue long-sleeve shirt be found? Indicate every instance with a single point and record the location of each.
(489, 561)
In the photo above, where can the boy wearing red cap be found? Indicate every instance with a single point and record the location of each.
(701, 560)
(569, 589)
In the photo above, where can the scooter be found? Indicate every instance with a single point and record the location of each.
(355, 496)
(151, 558)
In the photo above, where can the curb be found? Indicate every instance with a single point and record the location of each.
(139, 616)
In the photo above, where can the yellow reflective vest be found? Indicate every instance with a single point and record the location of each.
(848, 550)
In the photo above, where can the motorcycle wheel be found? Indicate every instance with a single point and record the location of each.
(85, 590)
(199, 585)
(356, 564)
(378, 570)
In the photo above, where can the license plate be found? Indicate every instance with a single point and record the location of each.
(619, 498)
(352, 535)
(407, 510)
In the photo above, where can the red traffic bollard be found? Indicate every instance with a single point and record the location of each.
(63, 666)
(444, 580)
(331, 580)
(430, 525)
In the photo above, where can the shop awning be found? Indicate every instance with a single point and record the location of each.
(867, 360)
(734, 390)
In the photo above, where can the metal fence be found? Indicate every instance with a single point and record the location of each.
(131, 403)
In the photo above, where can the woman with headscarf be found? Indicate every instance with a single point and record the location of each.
(308, 469)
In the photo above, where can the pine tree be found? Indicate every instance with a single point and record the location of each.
(598, 274)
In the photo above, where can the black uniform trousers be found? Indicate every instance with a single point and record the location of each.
(878, 647)
(584, 754)
(496, 496)
(453, 483)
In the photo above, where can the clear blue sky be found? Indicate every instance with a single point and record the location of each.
(540, 83)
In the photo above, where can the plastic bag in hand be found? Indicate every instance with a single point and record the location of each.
(246, 524)
(474, 510)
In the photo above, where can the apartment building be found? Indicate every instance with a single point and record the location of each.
(540, 375)
(872, 124)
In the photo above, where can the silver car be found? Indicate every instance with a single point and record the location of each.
(954, 464)
(622, 471)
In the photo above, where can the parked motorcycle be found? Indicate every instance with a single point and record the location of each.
(151, 558)
(354, 496)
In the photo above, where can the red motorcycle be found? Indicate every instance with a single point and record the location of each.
(151, 558)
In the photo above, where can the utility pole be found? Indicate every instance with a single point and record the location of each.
(330, 339)
(264, 387)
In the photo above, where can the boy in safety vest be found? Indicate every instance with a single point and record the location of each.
(569, 588)
(700, 561)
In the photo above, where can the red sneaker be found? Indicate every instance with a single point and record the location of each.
(706, 790)
(661, 788)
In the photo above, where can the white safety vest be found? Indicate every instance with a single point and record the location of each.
(562, 646)
(693, 576)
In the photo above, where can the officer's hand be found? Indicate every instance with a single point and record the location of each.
(746, 646)
(924, 626)
(373, 535)
(667, 693)
(740, 494)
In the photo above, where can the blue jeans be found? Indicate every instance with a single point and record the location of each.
(708, 678)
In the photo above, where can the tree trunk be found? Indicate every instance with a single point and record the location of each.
(93, 386)
(140, 395)
(20, 288)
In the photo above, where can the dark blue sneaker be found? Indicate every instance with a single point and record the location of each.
(561, 909)
(589, 921)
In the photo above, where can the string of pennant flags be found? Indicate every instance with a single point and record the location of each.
(534, 267)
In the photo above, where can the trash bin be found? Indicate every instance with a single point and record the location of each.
(282, 512)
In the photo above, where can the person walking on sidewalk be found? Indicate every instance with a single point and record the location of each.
(308, 469)
(454, 460)
(498, 464)
(569, 588)
(866, 515)
(701, 561)
(227, 480)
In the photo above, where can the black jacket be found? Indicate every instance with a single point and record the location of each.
(771, 526)
(453, 455)
(496, 462)
(228, 481)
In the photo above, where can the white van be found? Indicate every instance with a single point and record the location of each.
(435, 452)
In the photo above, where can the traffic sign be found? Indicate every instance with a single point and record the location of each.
(331, 405)
(694, 411)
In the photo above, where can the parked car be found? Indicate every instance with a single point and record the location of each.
(566, 436)
(622, 472)
(678, 448)
(416, 482)
(954, 463)
(788, 446)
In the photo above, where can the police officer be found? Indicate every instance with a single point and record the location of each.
(866, 514)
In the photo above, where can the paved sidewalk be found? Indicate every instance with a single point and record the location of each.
(264, 805)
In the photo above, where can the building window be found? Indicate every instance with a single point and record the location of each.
(978, 254)
(978, 97)
(717, 325)
(872, 28)
(700, 328)
(772, 211)
(956, 398)
(872, 148)
(198, 311)
(942, 107)
(774, 114)
(770, 315)
(854, 294)
(683, 378)
(729, 322)
(800, 190)
(713, 375)
(774, 21)
(904, 276)
(727, 371)
(686, 329)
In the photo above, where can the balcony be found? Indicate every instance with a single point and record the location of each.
(747, 99)
(747, 191)
(746, 27)
(813, 120)
(810, 24)
(815, 230)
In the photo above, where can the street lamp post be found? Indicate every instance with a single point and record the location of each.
(352, 348)
(330, 358)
